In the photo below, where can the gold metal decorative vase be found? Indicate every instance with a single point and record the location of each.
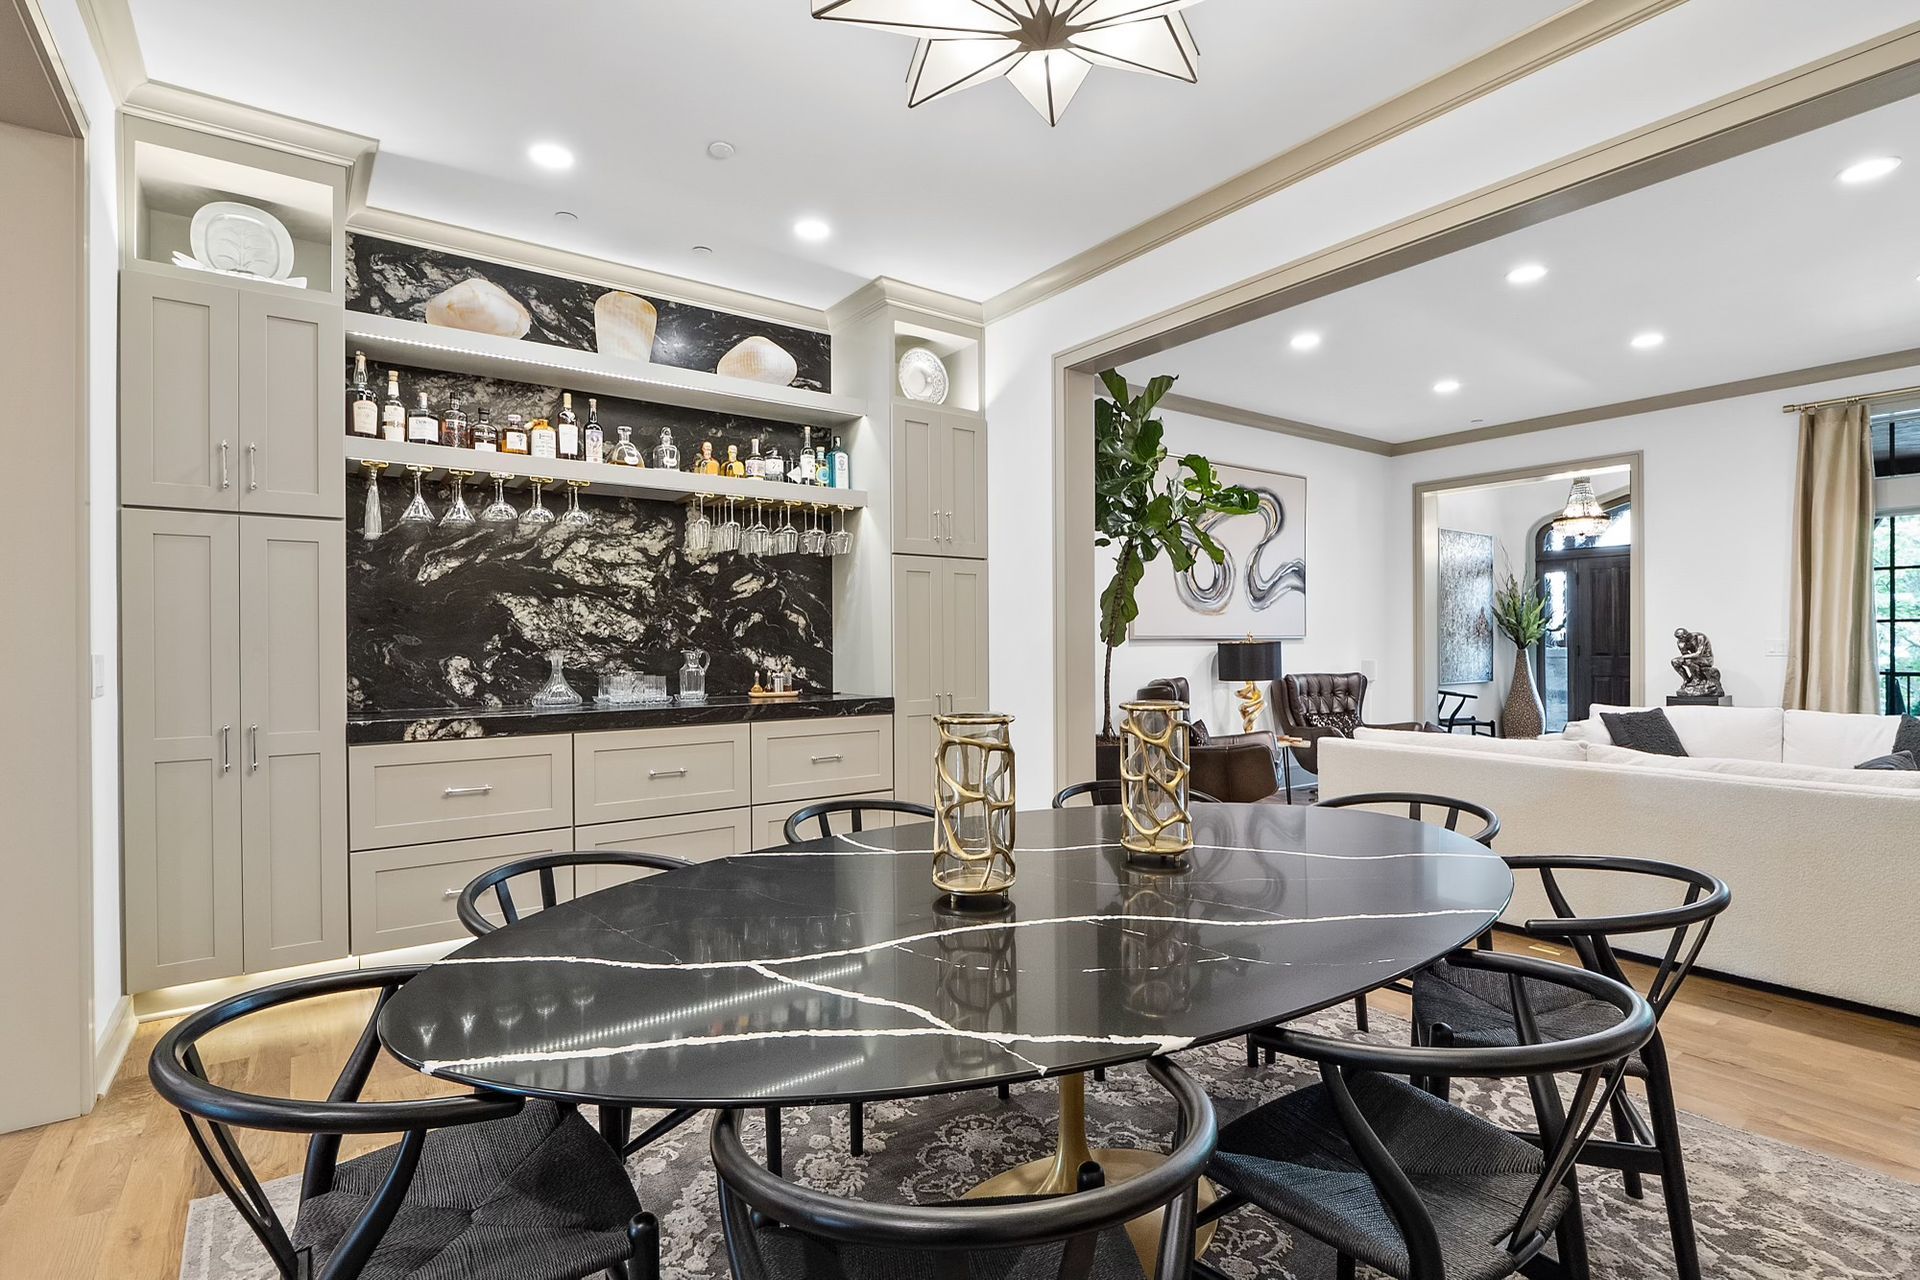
(973, 803)
(1155, 778)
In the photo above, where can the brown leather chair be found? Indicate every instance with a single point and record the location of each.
(1234, 768)
(1316, 705)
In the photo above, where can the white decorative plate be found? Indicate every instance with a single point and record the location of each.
(238, 237)
(923, 376)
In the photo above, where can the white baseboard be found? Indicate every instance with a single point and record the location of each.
(174, 1002)
(110, 1050)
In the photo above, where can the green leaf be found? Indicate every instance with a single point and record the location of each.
(1116, 385)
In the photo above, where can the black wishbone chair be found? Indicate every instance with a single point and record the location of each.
(1107, 791)
(615, 1122)
(776, 1230)
(1449, 811)
(1455, 1006)
(557, 1201)
(1392, 1175)
(822, 814)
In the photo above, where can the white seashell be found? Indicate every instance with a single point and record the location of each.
(478, 305)
(760, 359)
(624, 325)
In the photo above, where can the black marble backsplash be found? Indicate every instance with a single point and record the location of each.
(385, 277)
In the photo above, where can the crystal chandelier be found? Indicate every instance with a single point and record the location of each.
(1044, 47)
(1583, 516)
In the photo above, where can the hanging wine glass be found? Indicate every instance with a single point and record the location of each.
(727, 536)
(786, 539)
(840, 541)
(500, 511)
(537, 515)
(814, 541)
(758, 539)
(699, 528)
(372, 525)
(458, 512)
(576, 517)
(418, 513)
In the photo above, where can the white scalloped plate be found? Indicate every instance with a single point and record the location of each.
(229, 236)
(923, 376)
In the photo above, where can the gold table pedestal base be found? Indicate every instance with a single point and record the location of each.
(1059, 1174)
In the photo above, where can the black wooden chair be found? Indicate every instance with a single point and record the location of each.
(822, 815)
(488, 1186)
(776, 1230)
(1107, 791)
(1469, 1007)
(1390, 1174)
(615, 1122)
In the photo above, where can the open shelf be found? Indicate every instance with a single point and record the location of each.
(488, 355)
(632, 482)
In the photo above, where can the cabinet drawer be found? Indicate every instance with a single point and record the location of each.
(415, 792)
(651, 773)
(407, 897)
(697, 837)
(770, 820)
(812, 759)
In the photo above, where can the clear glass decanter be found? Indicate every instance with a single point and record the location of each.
(556, 692)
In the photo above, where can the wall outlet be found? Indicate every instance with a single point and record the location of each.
(1776, 649)
(99, 675)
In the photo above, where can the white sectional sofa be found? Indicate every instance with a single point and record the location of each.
(1823, 859)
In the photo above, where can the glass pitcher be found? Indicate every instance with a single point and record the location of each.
(693, 676)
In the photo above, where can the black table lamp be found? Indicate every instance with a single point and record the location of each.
(1250, 660)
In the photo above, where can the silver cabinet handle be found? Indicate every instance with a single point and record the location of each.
(225, 483)
(451, 894)
(226, 748)
(665, 773)
(828, 759)
(253, 748)
(481, 790)
(253, 467)
(949, 526)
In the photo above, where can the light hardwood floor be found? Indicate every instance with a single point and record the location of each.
(105, 1197)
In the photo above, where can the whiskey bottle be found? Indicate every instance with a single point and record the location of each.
(422, 426)
(393, 414)
(595, 444)
(567, 430)
(756, 465)
(808, 465)
(772, 466)
(363, 410)
(514, 438)
(453, 427)
(485, 438)
(842, 469)
(734, 467)
(624, 452)
(706, 464)
(666, 454)
(542, 440)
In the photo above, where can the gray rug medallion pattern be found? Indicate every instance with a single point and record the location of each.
(1765, 1210)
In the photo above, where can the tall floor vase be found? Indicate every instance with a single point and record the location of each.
(1523, 716)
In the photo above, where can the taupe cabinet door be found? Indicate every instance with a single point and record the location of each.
(939, 482)
(964, 458)
(292, 403)
(940, 659)
(179, 393)
(181, 707)
(293, 692)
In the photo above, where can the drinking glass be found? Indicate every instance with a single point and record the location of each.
(840, 541)
(537, 515)
(575, 517)
(758, 539)
(699, 529)
(372, 525)
(418, 512)
(786, 539)
(458, 512)
(727, 536)
(500, 511)
(814, 541)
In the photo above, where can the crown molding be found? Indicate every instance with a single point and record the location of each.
(884, 291)
(188, 108)
(109, 25)
(509, 252)
(1545, 43)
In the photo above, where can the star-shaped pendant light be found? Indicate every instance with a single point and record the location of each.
(1044, 47)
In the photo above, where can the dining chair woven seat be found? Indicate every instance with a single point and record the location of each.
(1293, 1157)
(792, 1255)
(535, 1196)
(1477, 1007)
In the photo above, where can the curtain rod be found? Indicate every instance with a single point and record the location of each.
(1896, 394)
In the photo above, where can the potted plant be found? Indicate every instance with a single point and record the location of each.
(1521, 614)
(1146, 508)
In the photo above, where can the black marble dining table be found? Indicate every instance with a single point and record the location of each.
(834, 970)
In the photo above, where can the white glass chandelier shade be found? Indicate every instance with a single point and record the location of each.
(1583, 516)
(1043, 47)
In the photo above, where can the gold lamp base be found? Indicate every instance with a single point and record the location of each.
(1251, 703)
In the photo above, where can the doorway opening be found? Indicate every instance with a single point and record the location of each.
(1587, 584)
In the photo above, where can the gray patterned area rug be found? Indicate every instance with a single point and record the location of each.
(1764, 1210)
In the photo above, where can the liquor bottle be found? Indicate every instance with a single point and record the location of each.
(393, 414)
(823, 467)
(706, 464)
(666, 454)
(542, 440)
(363, 410)
(624, 453)
(807, 464)
(485, 438)
(453, 427)
(514, 438)
(756, 465)
(734, 467)
(422, 426)
(773, 466)
(566, 431)
(595, 445)
(842, 469)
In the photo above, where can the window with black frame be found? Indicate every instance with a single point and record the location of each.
(1896, 567)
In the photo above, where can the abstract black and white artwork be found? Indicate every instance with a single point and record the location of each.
(1260, 589)
(1465, 605)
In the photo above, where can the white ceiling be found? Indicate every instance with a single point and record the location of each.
(971, 194)
(1760, 265)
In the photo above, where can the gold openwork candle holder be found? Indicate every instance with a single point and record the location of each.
(973, 802)
(1155, 768)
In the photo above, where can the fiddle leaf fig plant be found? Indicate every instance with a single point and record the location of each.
(1148, 505)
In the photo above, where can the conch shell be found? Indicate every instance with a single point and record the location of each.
(760, 359)
(624, 325)
(478, 305)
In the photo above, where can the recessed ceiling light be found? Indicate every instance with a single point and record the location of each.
(1872, 169)
(703, 251)
(550, 155)
(814, 229)
(565, 215)
(1306, 340)
(1527, 273)
(718, 150)
(1648, 341)
(1446, 386)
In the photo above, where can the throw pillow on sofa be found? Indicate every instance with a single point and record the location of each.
(1907, 736)
(1896, 762)
(1648, 731)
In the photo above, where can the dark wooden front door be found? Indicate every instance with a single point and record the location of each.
(1599, 632)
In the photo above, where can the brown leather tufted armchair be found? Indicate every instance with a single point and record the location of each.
(1316, 705)
(1237, 768)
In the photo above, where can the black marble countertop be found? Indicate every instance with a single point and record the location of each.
(435, 726)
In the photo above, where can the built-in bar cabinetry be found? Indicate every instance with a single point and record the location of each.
(940, 663)
(939, 481)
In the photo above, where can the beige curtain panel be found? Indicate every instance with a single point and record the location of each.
(1830, 641)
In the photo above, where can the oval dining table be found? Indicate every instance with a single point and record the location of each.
(833, 970)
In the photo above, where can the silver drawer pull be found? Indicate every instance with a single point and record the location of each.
(451, 792)
(451, 894)
(828, 759)
(665, 773)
